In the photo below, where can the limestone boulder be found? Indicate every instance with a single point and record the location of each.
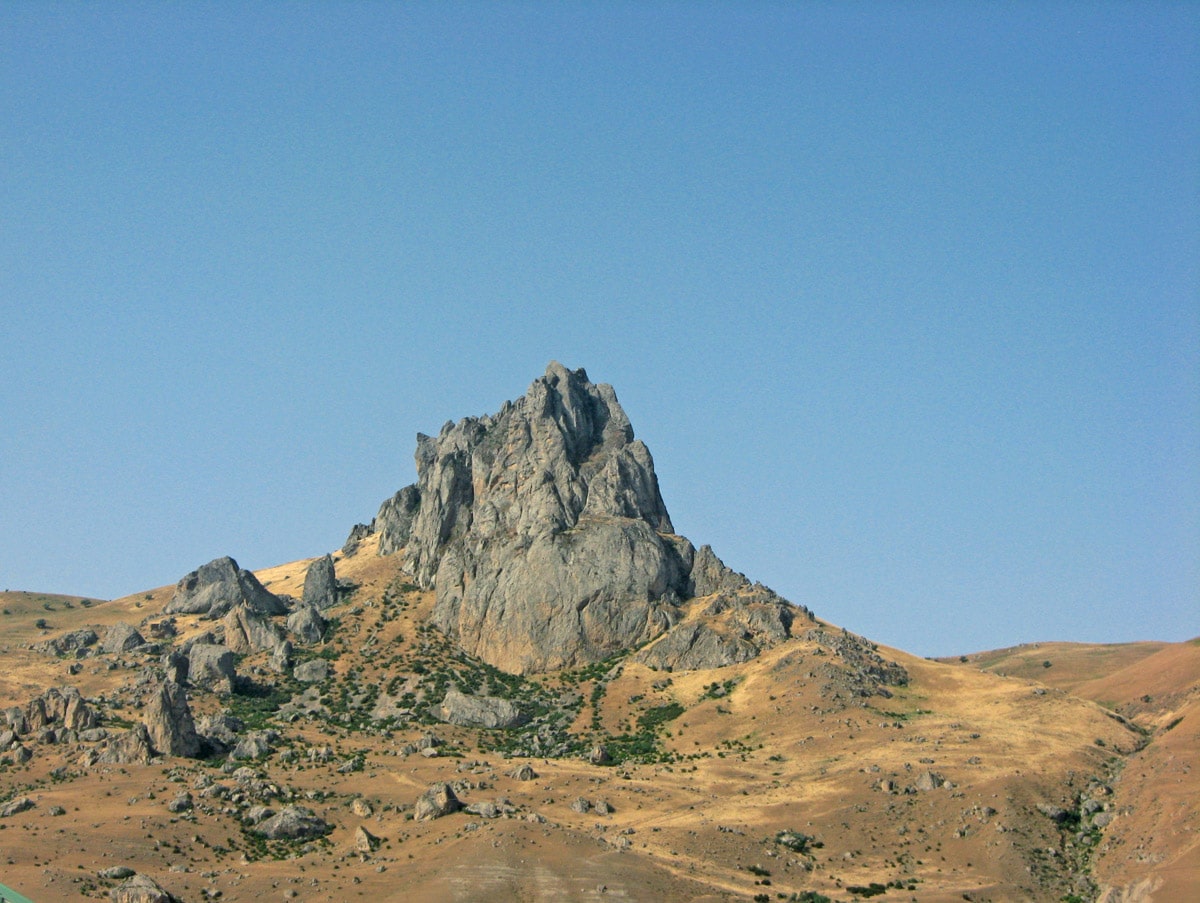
(293, 823)
(248, 630)
(320, 584)
(491, 712)
(306, 624)
(121, 637)
(210, 665)
(169, 723)
(217, 587)
(439, 800)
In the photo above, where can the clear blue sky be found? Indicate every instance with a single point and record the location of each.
(904, 298)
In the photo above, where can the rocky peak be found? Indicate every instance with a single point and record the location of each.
(543, 530)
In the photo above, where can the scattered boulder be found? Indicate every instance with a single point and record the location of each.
(365, 841)
(17, 806)
(181, 803)
(524, 772)
(306, 624)
(361, 808)
(580, 805)
(281, 658)
(121, 637)
(254, 745)
(247, 630)
(169, 722)
(491, 712)
(217, 587)
(140, 889)
(220, 730)
(927, 780)
(599, 755)
(126, 748)
(211, 665)
(117, 872)
(437, 801)
(293, 823)
(76, 642)
(311, 672)
(320, 584)
(175, 666)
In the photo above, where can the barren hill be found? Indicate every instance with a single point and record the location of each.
(518, 683)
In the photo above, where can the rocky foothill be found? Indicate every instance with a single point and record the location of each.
(545, 537)
(536, 672)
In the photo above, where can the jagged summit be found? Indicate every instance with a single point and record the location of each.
(544, 533)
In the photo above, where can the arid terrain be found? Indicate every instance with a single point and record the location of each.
(779, 746)
(738, 748)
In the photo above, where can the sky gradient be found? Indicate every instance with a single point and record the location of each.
(904, 298)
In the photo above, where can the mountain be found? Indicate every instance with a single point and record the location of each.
(517, 682)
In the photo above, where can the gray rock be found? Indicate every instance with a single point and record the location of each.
(247, 631)
(127, 747)
(311, 672)
(710, 575)
(169, 722)
(281, 658)
(365, 841)
(220, 729)
(485, 809)
(74, 642)
(215, 588)
(121, 637)
(320, 584)
(580, 805)
(140, 889)
(599, 755)
(292, 823)
(543, 532)
(117, 872)
(256, 814)
(437, 801)
(478, 711)
(358, 533)
(927, 781)
(305, 622)
(395, 519)
(17, 806)
(7, 739)
(731, 628)
(181, 803)
(210, 665)
(524, 772)
(252, 746)
(175, 666)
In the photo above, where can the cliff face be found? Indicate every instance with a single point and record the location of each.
(543, 531)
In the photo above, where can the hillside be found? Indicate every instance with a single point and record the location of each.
(1153, 850)
(518, 683)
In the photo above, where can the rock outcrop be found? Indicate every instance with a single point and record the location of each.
(140, 889)
(437, 801)
(169, 722)
(306, 624)
(320, 584)
(490, 712)
(76, 642)
(247, 630)
(121, 637)
(395, 519)
(211, 665)
(544, 534)
(215, 588)
(293, 823)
